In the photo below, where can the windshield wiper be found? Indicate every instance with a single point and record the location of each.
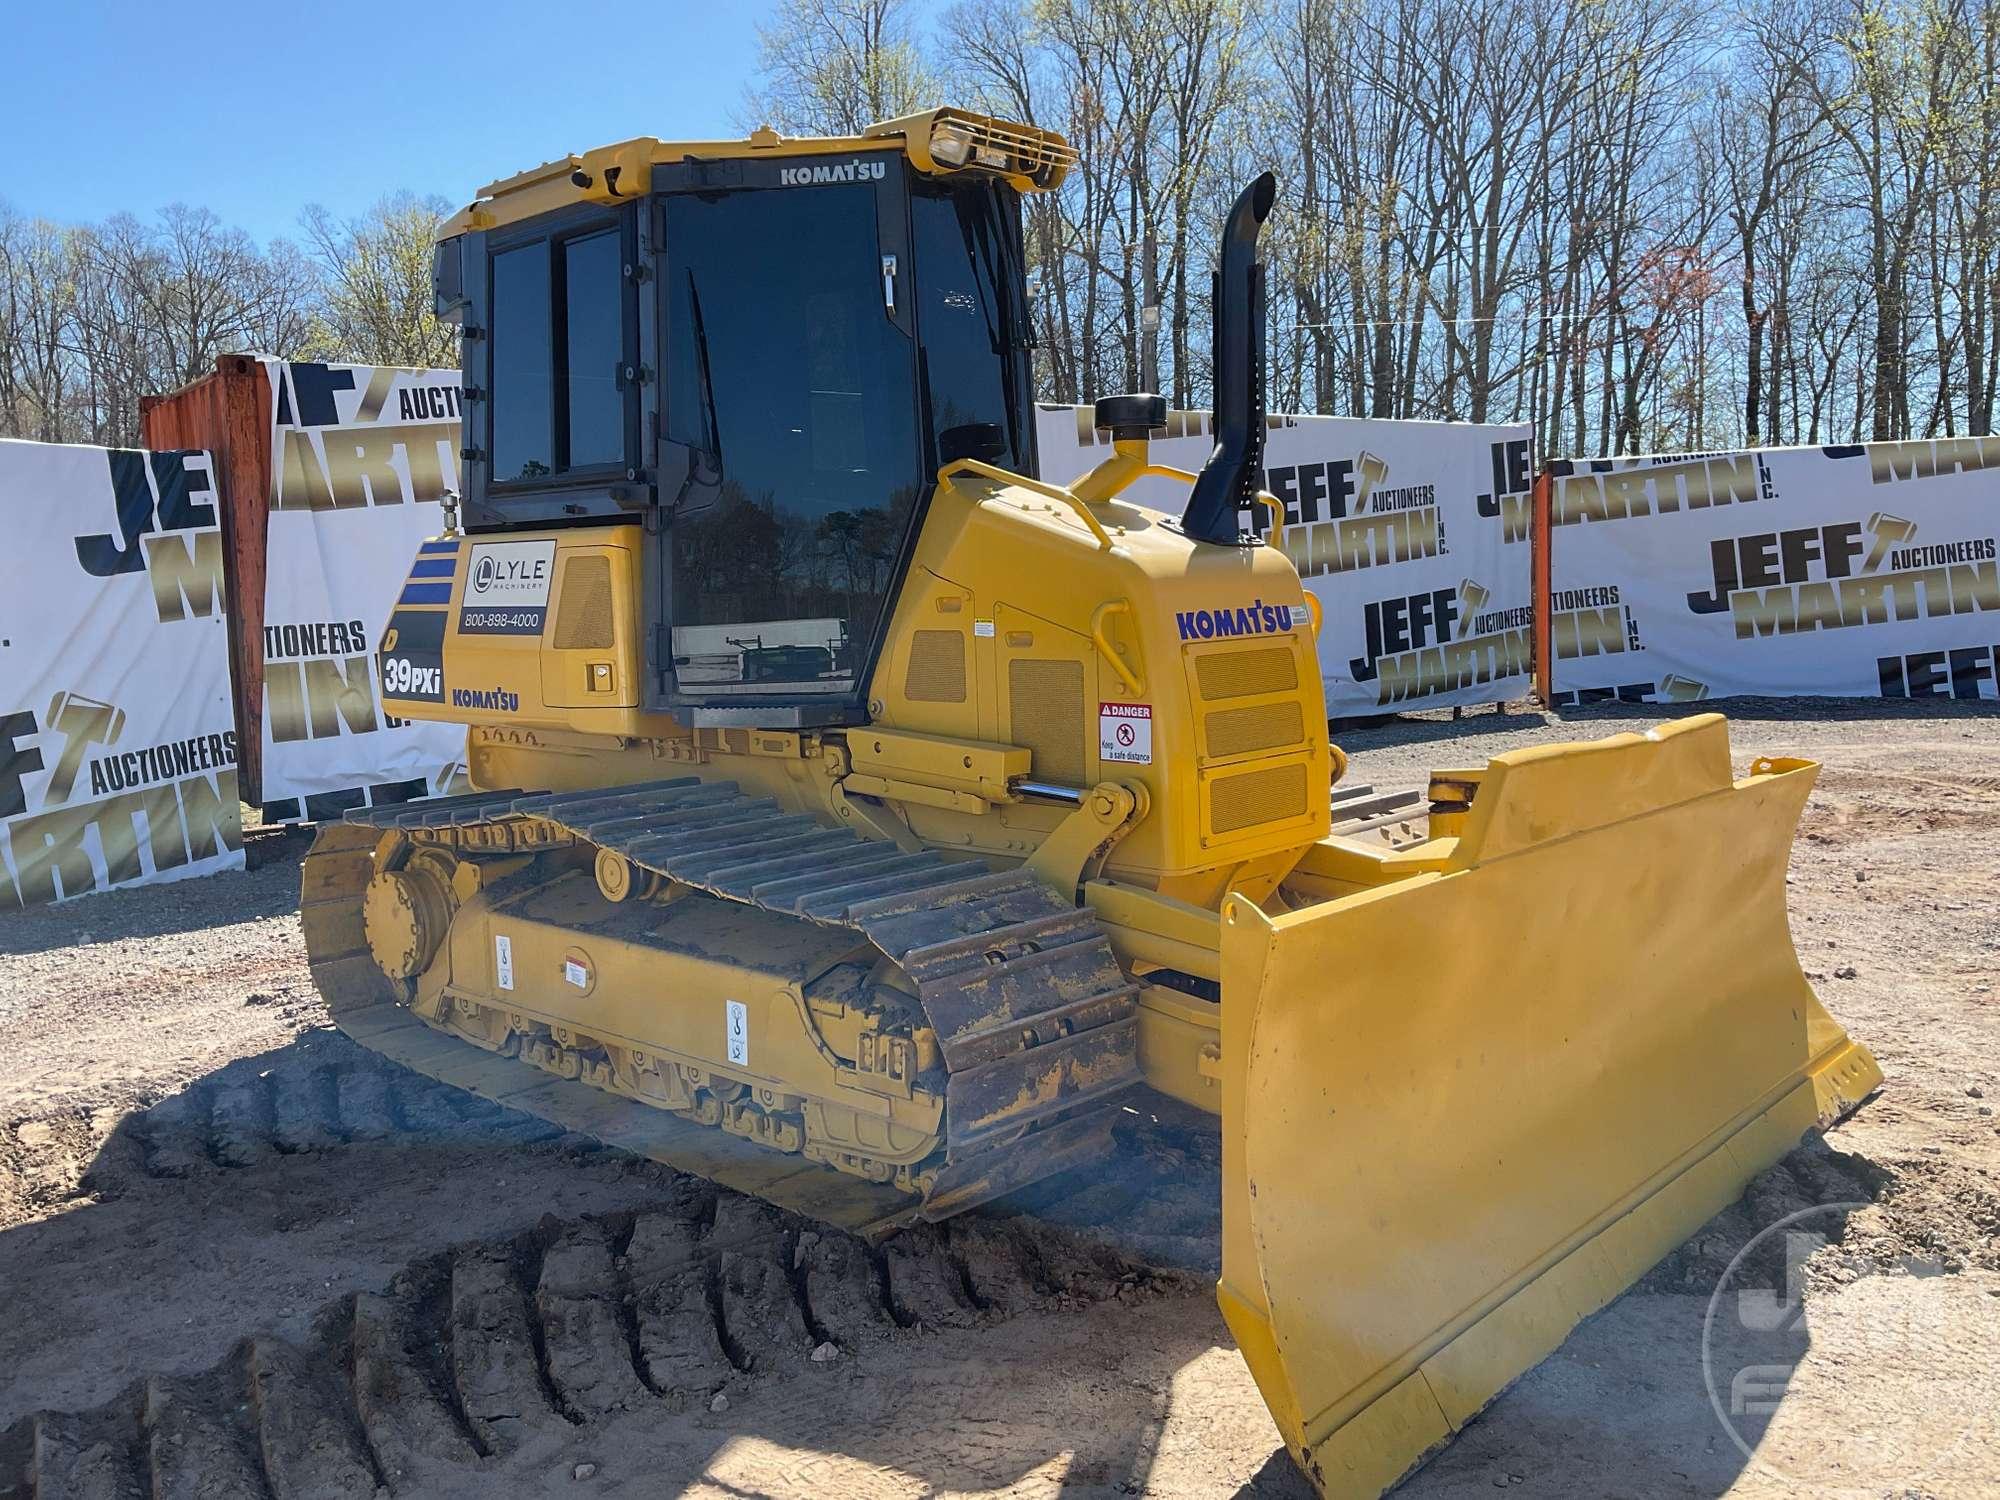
(702, 482)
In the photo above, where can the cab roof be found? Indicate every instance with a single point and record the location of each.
(941, 142)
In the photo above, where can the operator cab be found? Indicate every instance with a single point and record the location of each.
(762, 352)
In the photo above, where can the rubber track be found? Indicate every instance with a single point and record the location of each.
(475, 1352)
(1020, 985)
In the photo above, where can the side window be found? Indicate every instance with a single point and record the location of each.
(962, 318)
(593, 342)
(558, 337)
(523, 370)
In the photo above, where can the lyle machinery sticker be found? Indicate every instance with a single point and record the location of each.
(1125, 733)
(507, 588)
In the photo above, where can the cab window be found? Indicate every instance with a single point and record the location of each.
(558, 405)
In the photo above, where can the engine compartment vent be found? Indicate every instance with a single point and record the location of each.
(936, 673)
(583, 611)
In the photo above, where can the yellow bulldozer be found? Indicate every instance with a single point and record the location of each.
(865, 824)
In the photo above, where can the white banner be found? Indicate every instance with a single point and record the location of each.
(1413, 536)
(1864, 571)
(361, 456)
(117, 733)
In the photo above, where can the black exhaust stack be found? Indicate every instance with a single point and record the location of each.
(1227, 484)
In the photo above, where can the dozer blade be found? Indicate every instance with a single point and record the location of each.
(1464, 1111)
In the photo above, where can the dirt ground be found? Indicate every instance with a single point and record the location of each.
(240, 1256)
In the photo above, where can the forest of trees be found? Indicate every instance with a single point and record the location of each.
(94, 316)
(1639, 225)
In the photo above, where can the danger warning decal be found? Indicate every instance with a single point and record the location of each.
(1125, 733)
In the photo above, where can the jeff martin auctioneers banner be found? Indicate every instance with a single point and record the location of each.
(117, 730)
(361, 456)
(1413, 536)
(1861, 571)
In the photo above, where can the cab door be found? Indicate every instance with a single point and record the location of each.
(791, 468)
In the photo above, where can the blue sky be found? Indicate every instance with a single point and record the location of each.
(255, 110)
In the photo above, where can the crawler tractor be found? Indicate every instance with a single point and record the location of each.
(864, 823)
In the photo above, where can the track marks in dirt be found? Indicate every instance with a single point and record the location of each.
(324, 1092)
(472, 1354)
(1854, 806)
(321, 1093)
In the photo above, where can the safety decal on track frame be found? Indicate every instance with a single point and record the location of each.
(1125, 733)
(503, 960)
(738, 1016)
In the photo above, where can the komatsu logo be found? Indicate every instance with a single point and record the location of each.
(859, 170)
(1254, 618)
(498, 699)
(1832, 577)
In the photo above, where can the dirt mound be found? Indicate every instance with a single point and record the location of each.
(1815, 1175)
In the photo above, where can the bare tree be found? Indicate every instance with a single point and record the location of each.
(833, 67)
(376, 301)
(1630, 223)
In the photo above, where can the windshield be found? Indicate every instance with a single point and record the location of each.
(794, 384)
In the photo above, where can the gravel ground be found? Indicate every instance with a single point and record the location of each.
(216, 1216)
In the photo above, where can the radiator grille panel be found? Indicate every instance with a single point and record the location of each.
(937, 667)
(1238, 674)
(1046, 710)
(1262, 726)
(583, 618)
(1271, 796)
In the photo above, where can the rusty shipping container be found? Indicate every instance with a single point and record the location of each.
(228, 412)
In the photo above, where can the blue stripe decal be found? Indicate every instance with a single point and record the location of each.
(434, 567)
(446, 546)
(426, 593)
